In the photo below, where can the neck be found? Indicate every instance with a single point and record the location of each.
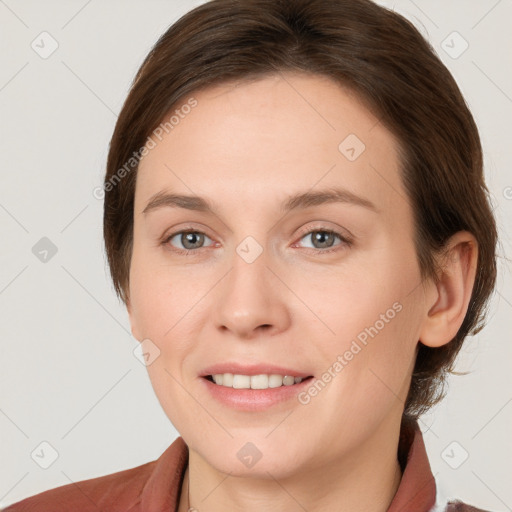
(365, 480)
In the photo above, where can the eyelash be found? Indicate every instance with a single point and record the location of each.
(345, 241)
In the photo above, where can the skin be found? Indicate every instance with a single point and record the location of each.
(247, 147)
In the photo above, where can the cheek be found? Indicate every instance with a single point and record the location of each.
(160, 295)
(347, 300)
(370, 326)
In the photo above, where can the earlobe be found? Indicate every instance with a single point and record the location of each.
(452, 291)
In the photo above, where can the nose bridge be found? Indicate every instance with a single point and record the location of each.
(250, 296)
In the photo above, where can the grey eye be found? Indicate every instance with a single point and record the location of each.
(190, 240)
(322, 239)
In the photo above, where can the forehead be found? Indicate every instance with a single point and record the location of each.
(281, 134)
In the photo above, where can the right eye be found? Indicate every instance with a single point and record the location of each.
(190, 241)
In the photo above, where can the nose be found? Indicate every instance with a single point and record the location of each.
(252, 299)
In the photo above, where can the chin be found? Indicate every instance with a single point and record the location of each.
(249, 455)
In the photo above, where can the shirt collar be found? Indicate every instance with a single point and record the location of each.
(417, 489)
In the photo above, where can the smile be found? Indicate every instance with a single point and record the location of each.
(262, 381)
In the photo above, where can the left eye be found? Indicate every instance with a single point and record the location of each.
(323, 238)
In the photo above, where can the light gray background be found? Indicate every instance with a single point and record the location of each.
(67, 372)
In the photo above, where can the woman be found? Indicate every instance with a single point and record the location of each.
(297, 221)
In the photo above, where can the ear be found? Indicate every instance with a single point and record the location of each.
(448, 299)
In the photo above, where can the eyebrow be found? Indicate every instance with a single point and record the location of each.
(296, 201)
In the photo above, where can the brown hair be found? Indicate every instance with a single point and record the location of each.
(374, 52)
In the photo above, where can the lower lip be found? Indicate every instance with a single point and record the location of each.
(254, 399)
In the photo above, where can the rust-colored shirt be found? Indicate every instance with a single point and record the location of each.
(155, 486)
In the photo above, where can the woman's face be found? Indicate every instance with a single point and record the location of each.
(266, 282)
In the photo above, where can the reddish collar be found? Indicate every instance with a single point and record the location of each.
(417, 489)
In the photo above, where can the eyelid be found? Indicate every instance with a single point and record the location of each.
(343, 233)
(185, 229)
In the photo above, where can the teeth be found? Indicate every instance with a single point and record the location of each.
(262, 381)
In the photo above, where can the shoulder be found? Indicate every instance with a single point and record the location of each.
(459, 506)
(118, 491)
(154, 485)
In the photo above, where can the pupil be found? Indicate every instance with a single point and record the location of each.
(320, 235)
(189, 238)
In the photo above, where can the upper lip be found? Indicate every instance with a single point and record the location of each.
(251, 369)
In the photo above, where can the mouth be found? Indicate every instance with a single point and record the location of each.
(255, 382)
(254, 387)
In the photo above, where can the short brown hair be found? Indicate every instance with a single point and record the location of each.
(374, 52)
